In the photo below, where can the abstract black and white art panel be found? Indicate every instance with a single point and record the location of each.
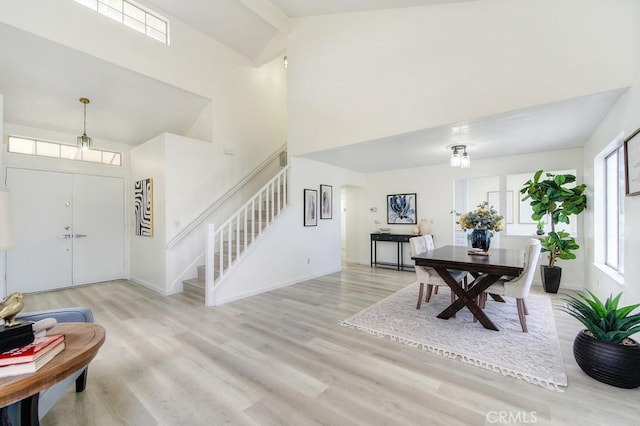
(143, 207)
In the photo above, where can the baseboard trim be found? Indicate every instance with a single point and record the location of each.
(150, 286)
(239, 296)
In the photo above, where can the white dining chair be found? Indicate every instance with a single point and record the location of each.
(520, 286)
(429, 276)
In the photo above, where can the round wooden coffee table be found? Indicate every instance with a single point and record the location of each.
(82, 343)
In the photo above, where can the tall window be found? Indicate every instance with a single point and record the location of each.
(133, 16)
(614, 209)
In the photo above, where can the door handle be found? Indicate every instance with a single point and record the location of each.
(79, 235)
(65, 236)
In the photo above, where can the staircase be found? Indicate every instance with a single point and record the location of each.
(229, 242)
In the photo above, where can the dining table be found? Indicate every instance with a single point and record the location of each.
(485, 267)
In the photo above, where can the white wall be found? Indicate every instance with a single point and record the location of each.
(361, 76)
(248, 103)
(247, 115)
(290, 252)
(148, 263)
(622, 120)
(434, 186)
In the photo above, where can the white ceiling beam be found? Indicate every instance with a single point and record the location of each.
(267, 11)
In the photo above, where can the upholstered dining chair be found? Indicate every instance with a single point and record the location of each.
(520, 286)
(429, 276)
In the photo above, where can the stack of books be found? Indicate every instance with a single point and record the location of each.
(15, 336)
(30, 358)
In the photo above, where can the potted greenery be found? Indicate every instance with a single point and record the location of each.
(540, 227)
(605, 350)
(484, 221)
(556, 197)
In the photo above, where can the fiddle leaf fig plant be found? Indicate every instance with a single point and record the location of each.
(557, 197)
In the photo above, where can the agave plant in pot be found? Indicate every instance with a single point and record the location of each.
(605, 350)
(556, 197)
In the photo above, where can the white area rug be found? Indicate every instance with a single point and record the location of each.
(534, 356)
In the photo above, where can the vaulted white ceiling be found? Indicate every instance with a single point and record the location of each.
(41, 82)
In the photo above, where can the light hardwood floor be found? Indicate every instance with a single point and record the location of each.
(281, 358)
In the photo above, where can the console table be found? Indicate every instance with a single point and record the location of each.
(399, 239)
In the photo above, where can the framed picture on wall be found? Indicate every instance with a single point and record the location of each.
(326, 201)
(493, 198)
(632, 163)
(143, 207)
(401, 209)
(310, 207)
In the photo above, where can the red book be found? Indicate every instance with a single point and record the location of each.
(32, 351)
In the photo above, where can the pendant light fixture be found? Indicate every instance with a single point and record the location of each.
(84, 141)
(459, 157)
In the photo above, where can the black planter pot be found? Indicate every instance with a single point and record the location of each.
(550, 278)
(616, 365)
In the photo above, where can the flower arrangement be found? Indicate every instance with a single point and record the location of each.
(484, 217)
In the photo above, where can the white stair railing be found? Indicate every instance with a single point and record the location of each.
(226, 243)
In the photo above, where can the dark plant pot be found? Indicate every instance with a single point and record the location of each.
(480, 238)
(616, 365)
(540, 232)
(550, 278)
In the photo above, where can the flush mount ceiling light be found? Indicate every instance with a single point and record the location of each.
(459, 157)
(84, 141)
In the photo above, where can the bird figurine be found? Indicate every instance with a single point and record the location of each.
(10, 307)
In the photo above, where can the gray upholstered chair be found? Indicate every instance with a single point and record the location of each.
(50, 396)
(430, 276)
(520, 286)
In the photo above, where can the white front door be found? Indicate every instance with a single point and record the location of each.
(98, 229)
(69, 230)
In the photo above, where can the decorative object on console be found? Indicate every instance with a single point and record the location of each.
(143, 207)
(310, 207)
(484, 221)
(632, 164)
(416, 230)
(326, 201)
(424, 227)
(401, 209)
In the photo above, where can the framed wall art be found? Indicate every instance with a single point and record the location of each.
(310, 207)
(143, 207)
(401, 209)
(326, 202)
(493, 198)
(632, 163)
